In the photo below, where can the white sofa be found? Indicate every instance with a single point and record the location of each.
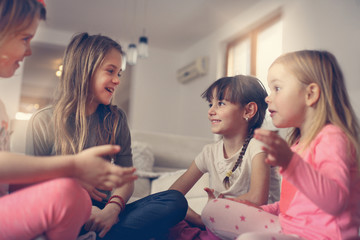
(171, 155)
(159, 158)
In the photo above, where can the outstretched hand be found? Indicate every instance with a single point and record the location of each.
(94, 171)
(211, 195)
(278, 151)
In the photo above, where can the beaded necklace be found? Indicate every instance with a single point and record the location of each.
(238, 162)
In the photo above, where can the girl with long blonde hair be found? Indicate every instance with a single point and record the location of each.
(83, 116)
(57, 205)
(320, 171)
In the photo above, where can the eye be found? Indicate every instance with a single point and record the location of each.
(111, 71)
(275, 88)
(119, 75)
(220, 103)
(26, 39)
(210, 105)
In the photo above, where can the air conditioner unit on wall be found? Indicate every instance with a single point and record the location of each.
(195, 69)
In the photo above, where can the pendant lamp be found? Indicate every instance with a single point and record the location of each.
(132, 54)
(123, 61)
(143, 47)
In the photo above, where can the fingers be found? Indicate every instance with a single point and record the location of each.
(88, 225)
(105, 150)
(97, 195)
(266, 136)
(122, 175)
(123, 171)
(104, 232)
(210, 193)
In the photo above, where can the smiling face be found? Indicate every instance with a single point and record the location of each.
(104, 81)
(286, 102)
(226, 118)
(15, 48)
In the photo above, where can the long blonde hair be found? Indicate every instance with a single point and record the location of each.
(17, 15)
(84, 54)
(322, 68)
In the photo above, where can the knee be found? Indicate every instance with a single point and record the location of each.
(178, 199)
(174, 201)
(72, 197)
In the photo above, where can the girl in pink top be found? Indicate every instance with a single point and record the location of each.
(320, 196)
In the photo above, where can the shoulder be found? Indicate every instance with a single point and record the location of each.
(255, 146)
(116, 111)
(213, 147)
(331, 133)
(44, 114)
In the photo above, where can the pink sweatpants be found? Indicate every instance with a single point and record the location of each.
(56, 209)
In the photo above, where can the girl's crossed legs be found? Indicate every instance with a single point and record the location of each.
(56, 208)
(233, 220)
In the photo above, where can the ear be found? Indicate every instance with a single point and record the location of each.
(312, 94)
(250, 110)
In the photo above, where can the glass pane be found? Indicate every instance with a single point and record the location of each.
(269, 47)
(239, 58)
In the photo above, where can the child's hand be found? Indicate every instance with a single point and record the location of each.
(94, 171)
(211, 195)
(278, 151)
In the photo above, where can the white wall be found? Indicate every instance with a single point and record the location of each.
(154, 102)
(161, 104)
(330, 25)
(10, 89)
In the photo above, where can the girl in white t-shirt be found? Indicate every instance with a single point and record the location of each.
(235, 163)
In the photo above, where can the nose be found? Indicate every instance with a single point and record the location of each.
(267, 99)
(116, 80)
(28, 51)
(211, 111)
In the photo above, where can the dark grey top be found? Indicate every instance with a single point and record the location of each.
(40, 136)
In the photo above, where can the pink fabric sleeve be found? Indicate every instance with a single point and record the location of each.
(327, 176)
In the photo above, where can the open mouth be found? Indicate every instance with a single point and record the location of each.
(272, 112)
(110, 90)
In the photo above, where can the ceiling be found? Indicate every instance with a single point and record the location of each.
(168, 24)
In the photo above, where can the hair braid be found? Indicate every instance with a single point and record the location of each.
(238, 162)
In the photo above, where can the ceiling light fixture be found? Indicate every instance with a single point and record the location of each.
(131, 54)
(143, 40)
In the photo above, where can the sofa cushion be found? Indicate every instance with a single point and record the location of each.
(143, 159)
(171, 151)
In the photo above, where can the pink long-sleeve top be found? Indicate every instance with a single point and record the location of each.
(326, 203)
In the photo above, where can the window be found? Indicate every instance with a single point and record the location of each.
(253, 52)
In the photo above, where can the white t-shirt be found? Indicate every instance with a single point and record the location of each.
(212, 160)
(4, 140)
